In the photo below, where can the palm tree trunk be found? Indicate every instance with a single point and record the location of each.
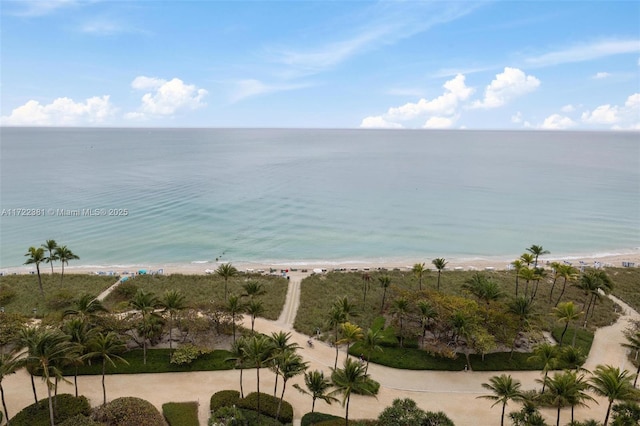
(504, 405)
(564, 286)
(33, 386)
(4, 404)
(241, 388)
(563, 331)
(558, 417)
(39, 280)
(275, 385)
(104, 388)
(606, 418)
(75, 380)
(284, 385)
(170, 335)
(258, 388)
(552, 287)
(50, 404)
(635, 382)
(346, 416)
(62, 273)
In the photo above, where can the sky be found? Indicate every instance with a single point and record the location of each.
(561, 65)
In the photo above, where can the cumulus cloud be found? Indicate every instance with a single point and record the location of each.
(625, 116)
(510, 84)
(568, 108)
(165, 98)
(557, 122)
(62, 112)
(378, 122)
(440, 122)
(601, 75)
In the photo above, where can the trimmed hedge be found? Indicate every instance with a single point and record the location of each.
(268, 406)
(311, 419)
(78, 420)
(181, 413)
(128, 411)
(67, 406)
(225, 398)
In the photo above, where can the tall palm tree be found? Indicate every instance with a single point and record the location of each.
(568, 273)
(614, 385)
(351, 333)
(528, 275)
(538, 275)
(281, 343)
(522, 307)
(419, 270)
(527, 258)
(85, 307)
(537, 251)
(335, 317)
(504, 389)
(371, 342)
(594, 283)
(64, 255)
(50, 246)
(145, 303)
(254, 308)
(317, 386)
(385, 282)
(547, 355)
(9, 363)
(366, 285)
(253, 289)
(258, 350)
(427, 313)
(633, 343)
(558, 393)
(234, 307)
(105, 347)
(400, 309)
(578, 387)
(485, 289)
(566, 312)
(26, 340)
(517, 264)
(239, 355)
(346, 307)
(81, 333)
(349, 379)
(291, 365)
(226, 271)
(440, 264)
(35, 257)
(172, 302)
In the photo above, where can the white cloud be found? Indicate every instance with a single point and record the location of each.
(568, 108)
(508, 85)
(252, 87)
(378, 122)
(517, 117)
(40, 7)
(440, 122)
(557, 122)
(601, 75)
(62, 112)
(604, 114)
(618, 116)
(166, 97)
(585, 52)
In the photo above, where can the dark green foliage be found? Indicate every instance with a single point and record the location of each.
(403, 412)
(410, 359)
(251, 417)
(372, 388)
(311, 419)
(268, 406)
(158, 362)
(228, 416)
(10, 324)
(225, 398)
(181, 413)
(61, 299)
(436, 419)
(68, 406)
(125, 291)
(187, 354)
(6, 294)
(78, 420)
(129, 411)
(626, 285)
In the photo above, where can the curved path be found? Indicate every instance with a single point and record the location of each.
(455, 393)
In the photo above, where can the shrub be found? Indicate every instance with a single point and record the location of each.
(311, 419)
(227, 416)
(268, 406)
(125, 291)
(61, 299)
(225, 398)
(6, 294)
(38, 414)
(186, 354)
(181, 413)
(129, 411)
(78, 420)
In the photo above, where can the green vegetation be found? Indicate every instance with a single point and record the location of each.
(129, 411)
(67, 406)
(181, 413)
(626, 285)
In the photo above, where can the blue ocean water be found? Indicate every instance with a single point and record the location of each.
(297, 195)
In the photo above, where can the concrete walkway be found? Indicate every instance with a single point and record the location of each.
(455, 393)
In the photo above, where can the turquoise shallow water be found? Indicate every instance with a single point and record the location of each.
(269, 196)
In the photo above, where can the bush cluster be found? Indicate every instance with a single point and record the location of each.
(187, 353)
(67, 406)
(129, 411)
(311, 419)
(268, 406)
(79, 420)
(225, 398)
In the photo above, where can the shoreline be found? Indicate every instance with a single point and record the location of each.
(609, 259)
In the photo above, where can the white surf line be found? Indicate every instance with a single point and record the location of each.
(292, 301)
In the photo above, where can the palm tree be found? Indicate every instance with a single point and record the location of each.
(569, 274)
(371, 342)
(226, 271)
(318, 386)
(547, 355)
(335, 318)
(558, 393)
(172, 302)
(234, 307)
(86, 306)
(346, 307)
(253, 289)
(577, 394)
(81, 333)
(351, 333)
(106, 347)
(385, 282)
(291, 365)
(566, 312)
(254, 308)
(517, 264)
(427, 313)
(258, 350)
(633, 343)
(50, 246)
(64, 255)
(572, 357)
(538, 275)
(521, 307)
(485, 289)
(26, 339)
(366, 284)
(399, 309)
(527, 274)
(614, 385)
(145, 303)
(419, 270)
(9, 364)
(36, 257)
(537, 251)
(349, 379)
(527, 258)
(504, 389)
(440, 264)
(238, 354)
(594, 283)
(280, 345)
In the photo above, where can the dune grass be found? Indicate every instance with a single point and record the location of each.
(627, 284)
